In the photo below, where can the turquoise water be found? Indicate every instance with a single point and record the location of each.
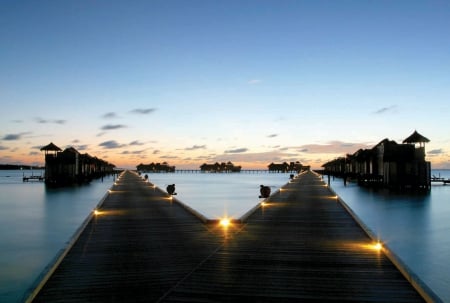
(415, 226)
(37, 222)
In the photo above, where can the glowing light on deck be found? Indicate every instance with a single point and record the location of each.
(377, 246)
(263, 203)
(96, 212)
(225, 222)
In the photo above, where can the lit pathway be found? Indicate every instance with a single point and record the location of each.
(303, 246)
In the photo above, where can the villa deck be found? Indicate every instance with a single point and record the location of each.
(301, 246)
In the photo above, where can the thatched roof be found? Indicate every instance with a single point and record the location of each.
(51, 147)
(416, 138)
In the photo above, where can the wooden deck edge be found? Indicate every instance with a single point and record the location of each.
(192, 211)
(420, 286)
(48, 271)
(244, 217)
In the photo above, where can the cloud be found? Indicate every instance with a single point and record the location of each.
(333, 147)
(81, 147)
(384, 110)
(254, 81)
(435, 152)
(112, 126)
(110, 115)
(14, 137)
(196, 147)
(272, 136)
(55, 121)
(34, 153)
(263, 158)
(236, 151)
(143, 111)
(136, 143)
(156, 151)
(3, 147)
(169, 157)
(111, 144)
(135, 152)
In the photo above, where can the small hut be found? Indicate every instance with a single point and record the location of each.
(51, 148)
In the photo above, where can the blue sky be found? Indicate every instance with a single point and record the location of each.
(252, 82)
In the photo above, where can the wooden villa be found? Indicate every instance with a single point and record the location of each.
(220, 168)
(65, 167)
(387, 164)
(287, 167)
(156, 168)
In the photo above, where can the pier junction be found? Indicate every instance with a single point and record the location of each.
(299, 245)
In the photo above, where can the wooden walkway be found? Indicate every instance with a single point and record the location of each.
(302, 246)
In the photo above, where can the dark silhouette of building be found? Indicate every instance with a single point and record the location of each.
(388, 164)
(156, 168)
(65, 167)
(220, 168)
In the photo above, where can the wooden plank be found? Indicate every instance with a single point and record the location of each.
(304, 246)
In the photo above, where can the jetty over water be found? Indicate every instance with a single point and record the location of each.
(301, 246)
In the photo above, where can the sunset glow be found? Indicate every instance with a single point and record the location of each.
(248, 82)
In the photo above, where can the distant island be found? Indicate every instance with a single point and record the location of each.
(16, 167)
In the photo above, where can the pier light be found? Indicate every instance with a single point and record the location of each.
(263, 204)
(377, 246)
(97, 212)
(225, 222)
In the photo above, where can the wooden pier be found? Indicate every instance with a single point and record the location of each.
(32, 178)
(440, 180)
(301, 246)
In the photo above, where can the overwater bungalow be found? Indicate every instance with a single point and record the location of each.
(285, 167)
(387, 164)
(65, 167)
(156, 168)
(220, 167)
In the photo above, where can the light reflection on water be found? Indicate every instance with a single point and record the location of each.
(216, 194)
(39, 222)
(36, 223)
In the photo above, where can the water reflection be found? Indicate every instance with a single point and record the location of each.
(414, 225)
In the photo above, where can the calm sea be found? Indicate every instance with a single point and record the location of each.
(37, 222)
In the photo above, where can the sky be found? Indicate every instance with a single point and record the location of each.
(252, 82)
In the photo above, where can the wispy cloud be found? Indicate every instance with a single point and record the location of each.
(156, 151)
(111, 144)
(110, 115)
(135, 152)
(55, 121)
(236, 151)
(169, 157)
(272, 136)
(254, 81)
(384, 110)
(82, 147)
(113, 126)
(3, 147)
(333, 147)
(143, 111)
(195, 147)
(136, 143)
(435, 152)
(14, 137)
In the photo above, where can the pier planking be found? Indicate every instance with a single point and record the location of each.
(302, 246)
